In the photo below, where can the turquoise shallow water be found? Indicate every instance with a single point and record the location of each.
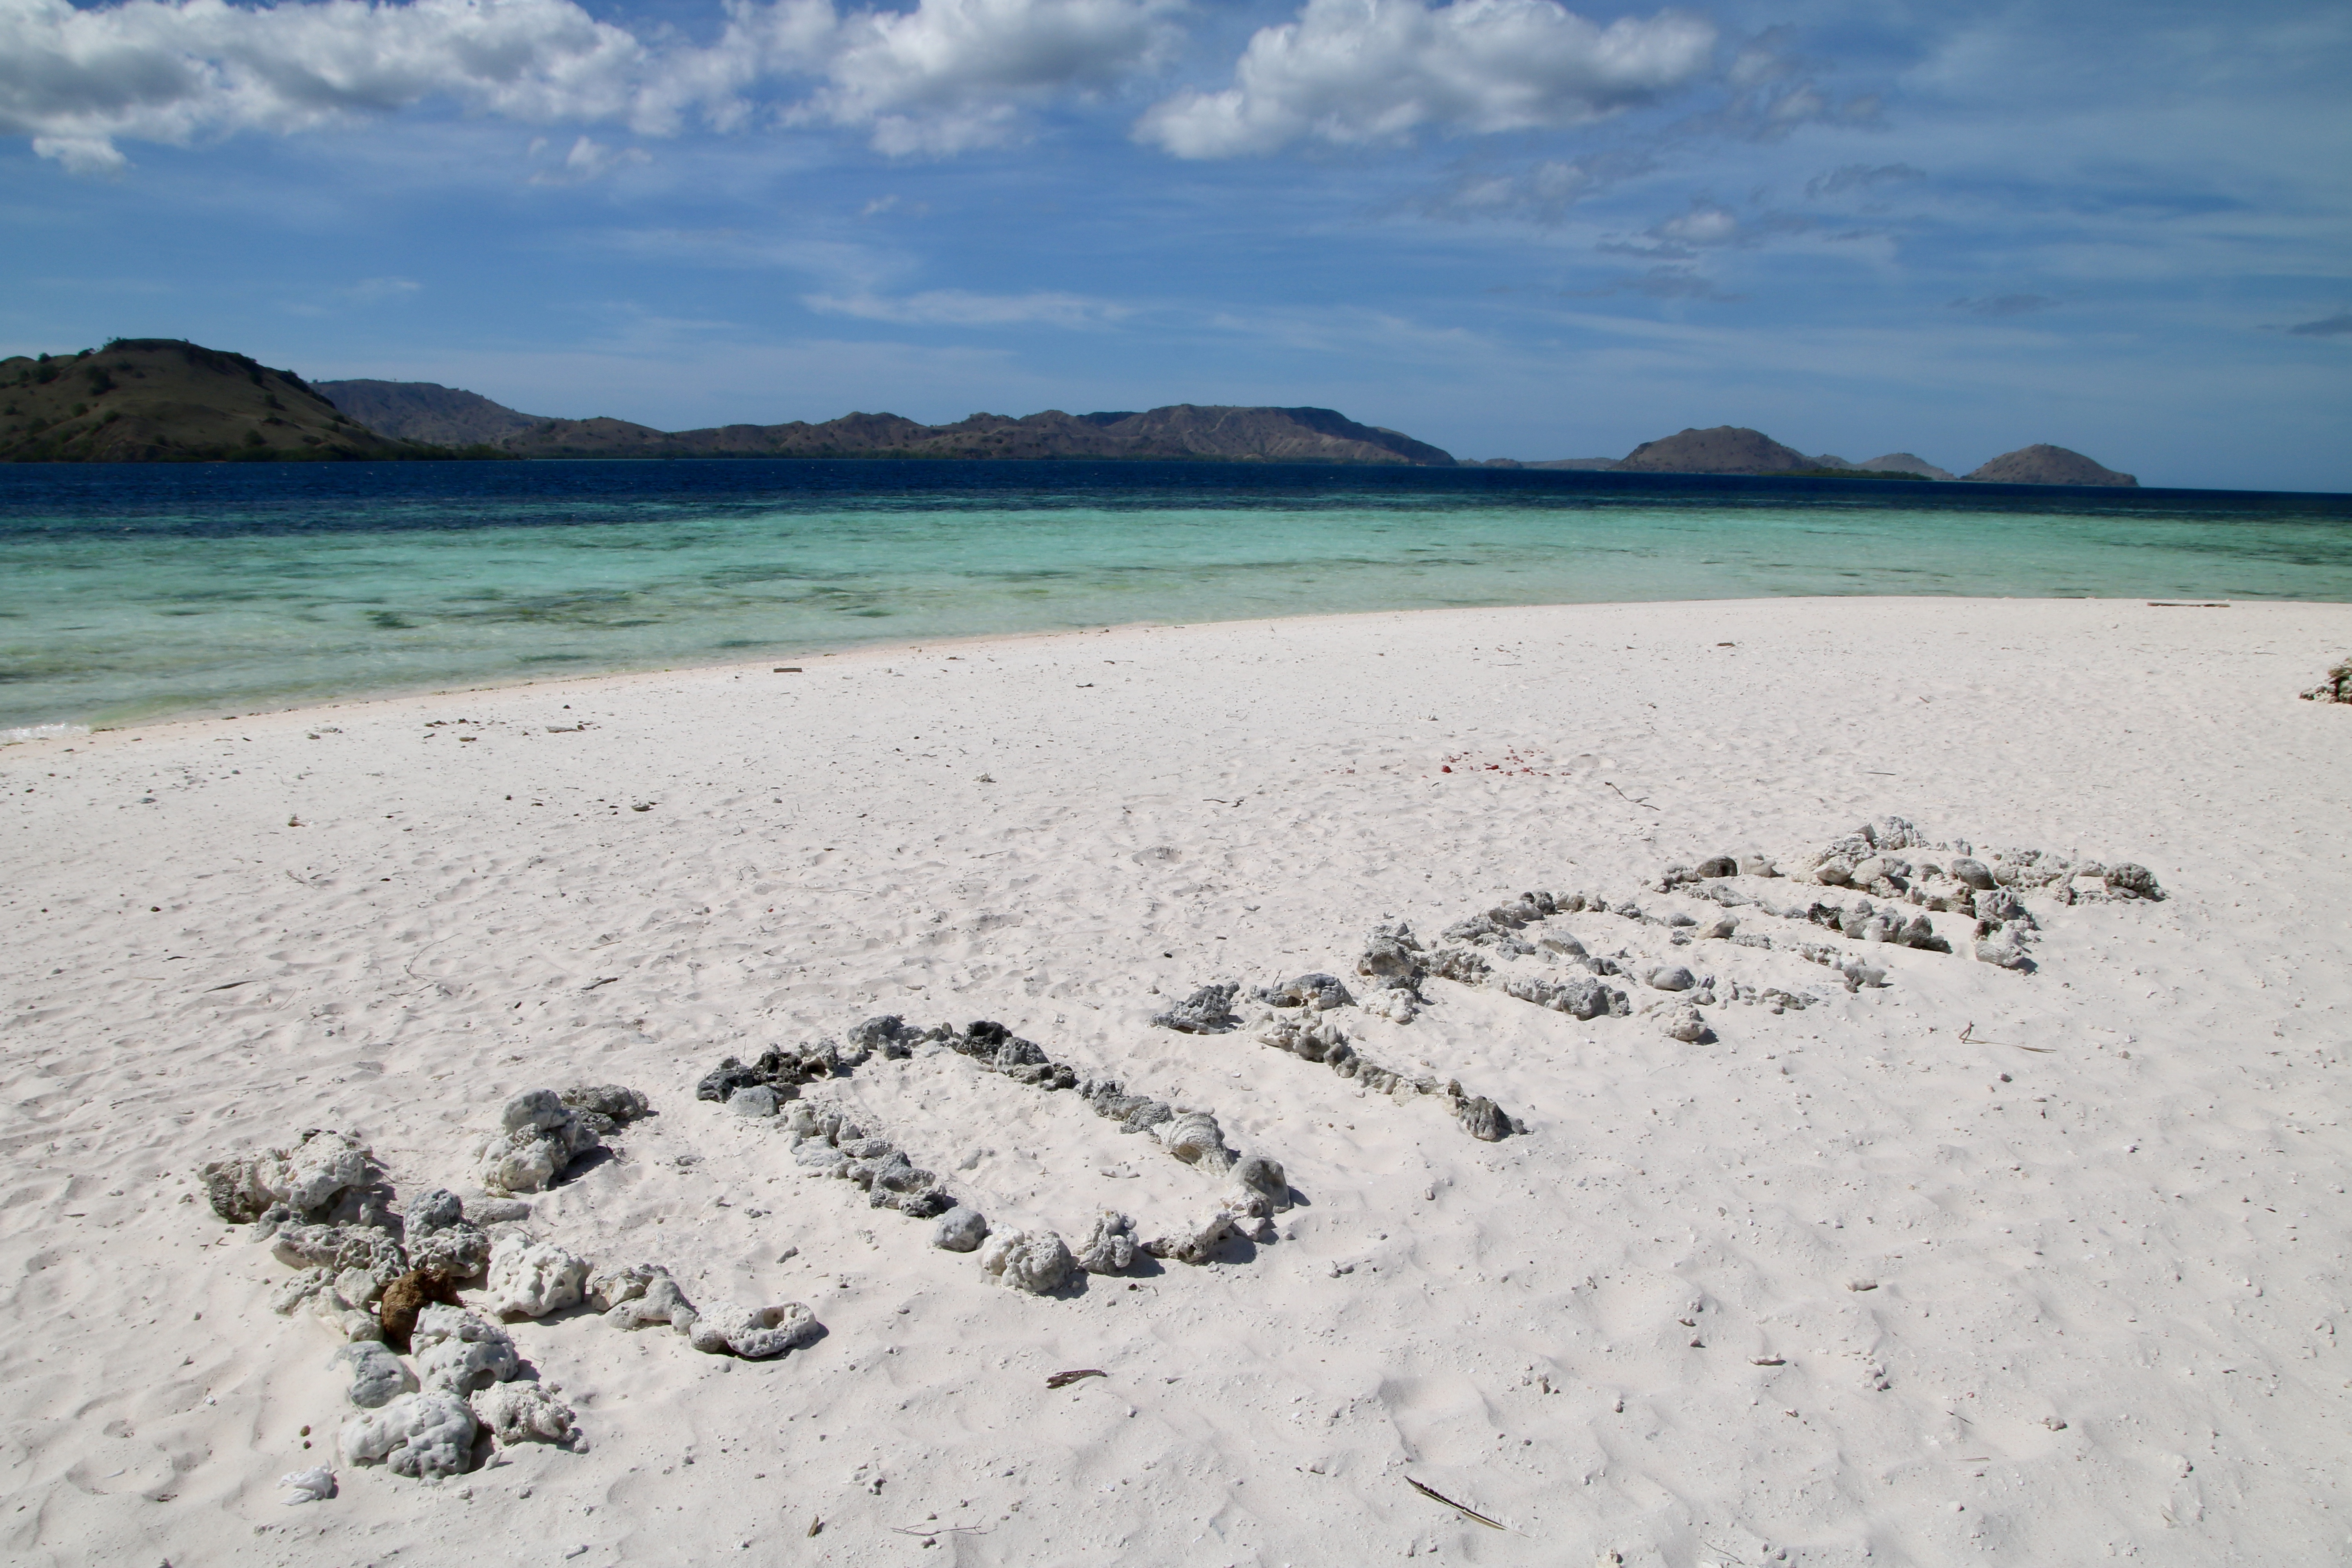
(134, 593)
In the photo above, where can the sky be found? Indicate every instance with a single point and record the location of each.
(1510, 227)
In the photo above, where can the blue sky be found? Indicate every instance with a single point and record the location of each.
(1506, 227)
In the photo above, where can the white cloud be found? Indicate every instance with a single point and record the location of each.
(154, 70)
(1542, 192)
(588, 159)
(948, 75)
(1370, 70)
(953, 74)
(957, 307)
(86, 155)
(1705, 224)
(1550, 185)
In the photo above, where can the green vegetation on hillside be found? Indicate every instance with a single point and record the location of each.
(161, 400)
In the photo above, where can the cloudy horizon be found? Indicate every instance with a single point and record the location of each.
(1510, 227)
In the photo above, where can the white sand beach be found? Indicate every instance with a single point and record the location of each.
(1976, 1266)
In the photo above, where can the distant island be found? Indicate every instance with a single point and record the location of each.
(421, 411)
(163, 400)
(149, 400)
(2048, 466)
(1736, 450)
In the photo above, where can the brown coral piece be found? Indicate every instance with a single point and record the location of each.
(409, 1295)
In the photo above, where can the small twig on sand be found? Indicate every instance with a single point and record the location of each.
(934, 1534)
(1470, 1513)
(1624, 796)
(1064, 1379)
(600, 980)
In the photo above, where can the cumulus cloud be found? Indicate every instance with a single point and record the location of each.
(953, 74)
(76, 81)
(957, 308)
(1351, 71)
(946, 75)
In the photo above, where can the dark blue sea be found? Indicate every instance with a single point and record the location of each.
(129, 591)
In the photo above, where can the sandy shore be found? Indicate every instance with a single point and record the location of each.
(2101, 1202)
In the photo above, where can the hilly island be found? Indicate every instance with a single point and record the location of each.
(163, 400)
(421, 411)
(160, 400)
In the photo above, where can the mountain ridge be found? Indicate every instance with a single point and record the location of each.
(163, 399)
(423, 410)
(150, 400)
(1738, 449)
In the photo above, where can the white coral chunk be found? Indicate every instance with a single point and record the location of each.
(754, 1333)
(1684, 1022)
(506, 1166)
(539, 1135)
(523, 1413)
(644, 1296)
(317, 1291)
(609, 1286)
(531, 1280)
(317, 1173)
(428, 1435)
(1196, 1243)
(377, 1376)
(307, 1179)
(458, 1353)
(1032, 1261)
(1111, 1246)
(1304, 1035)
